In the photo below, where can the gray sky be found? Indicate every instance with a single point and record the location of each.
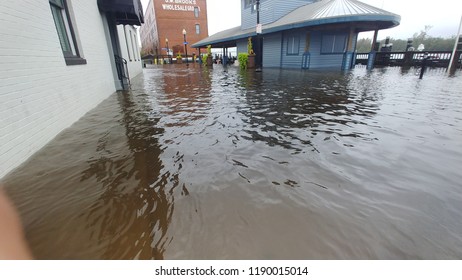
(443, 15)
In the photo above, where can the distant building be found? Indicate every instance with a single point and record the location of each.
(305, 34)
(166, 19)
(60, 58)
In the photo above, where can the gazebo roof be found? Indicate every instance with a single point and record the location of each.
(319, 13)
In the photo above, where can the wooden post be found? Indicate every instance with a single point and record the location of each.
(409, 55)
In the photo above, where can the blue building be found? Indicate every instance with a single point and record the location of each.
(306, 34)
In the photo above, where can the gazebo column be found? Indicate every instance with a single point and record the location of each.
(373, 53)
(349, 55)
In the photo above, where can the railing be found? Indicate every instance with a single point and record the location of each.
(436, 58)
(122, 71)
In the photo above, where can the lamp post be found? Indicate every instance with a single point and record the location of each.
(168, 50)
(185, 46)
(258, 11)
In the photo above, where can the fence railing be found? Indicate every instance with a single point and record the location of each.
(436, 58)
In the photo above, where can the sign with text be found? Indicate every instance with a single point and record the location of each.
(179, 5)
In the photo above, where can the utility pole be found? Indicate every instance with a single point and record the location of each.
(259, 58)
(454, 60)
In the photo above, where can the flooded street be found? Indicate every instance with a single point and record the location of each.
(223, 164)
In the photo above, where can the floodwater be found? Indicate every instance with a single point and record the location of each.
(223, 164)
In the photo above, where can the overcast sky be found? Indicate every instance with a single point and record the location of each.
(443, 15)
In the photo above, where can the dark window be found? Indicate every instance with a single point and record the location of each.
(196, 12)
(66, 34)
(333, 44)
(198, 29)
(293, 45)
(252, 4)
(248, 3)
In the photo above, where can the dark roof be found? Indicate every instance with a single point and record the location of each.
(318, 13)
(125, 11)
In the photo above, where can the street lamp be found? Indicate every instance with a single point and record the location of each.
(168, 50)
(185, 46)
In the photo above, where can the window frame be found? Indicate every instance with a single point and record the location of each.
(133, 45)
(65, 25)
(295, 49)
(333, 47)
(196, 12)
(252, 4)
(127, 44)
(198, 29)
(248, 3)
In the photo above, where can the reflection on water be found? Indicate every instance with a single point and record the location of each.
(142, 231)
(217, 163)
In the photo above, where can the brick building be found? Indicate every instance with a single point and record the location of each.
(166, 19)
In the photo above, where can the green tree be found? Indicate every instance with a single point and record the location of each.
(422, 37)
(364, 45)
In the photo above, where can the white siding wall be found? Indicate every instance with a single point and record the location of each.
(129, 46)
(39, 94)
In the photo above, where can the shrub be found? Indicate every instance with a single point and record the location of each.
(243, 58)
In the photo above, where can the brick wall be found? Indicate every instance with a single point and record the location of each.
(148, 31)
(39, 94)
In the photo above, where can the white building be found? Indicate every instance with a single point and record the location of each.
(58, 60)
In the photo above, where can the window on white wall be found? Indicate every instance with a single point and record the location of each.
(133, 45)
(127, 44)
(293, 45)
(66, 32)
(247, 3)
(333, 43)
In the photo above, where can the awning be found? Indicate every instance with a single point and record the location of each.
(125, 11)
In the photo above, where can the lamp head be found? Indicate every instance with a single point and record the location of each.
(184, 31)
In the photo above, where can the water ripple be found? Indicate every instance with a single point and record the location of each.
(199, 163)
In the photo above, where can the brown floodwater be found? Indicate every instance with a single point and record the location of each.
(221, 164)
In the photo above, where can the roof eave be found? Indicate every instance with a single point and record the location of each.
(382, 22)
(204, 43)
